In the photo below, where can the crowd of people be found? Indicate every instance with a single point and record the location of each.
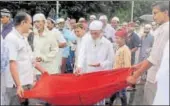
(31, 46)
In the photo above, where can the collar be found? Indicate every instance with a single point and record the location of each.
(164, 24)
(102, 39)
(18, 34)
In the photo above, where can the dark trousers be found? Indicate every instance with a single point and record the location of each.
(70, 62)
(63, 66)
(121, 95)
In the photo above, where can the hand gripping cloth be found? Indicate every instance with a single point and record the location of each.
(86, 89)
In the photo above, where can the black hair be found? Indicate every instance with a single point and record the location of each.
(21, 16)
(163, 5)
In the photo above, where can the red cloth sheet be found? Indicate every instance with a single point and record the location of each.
(86, 89)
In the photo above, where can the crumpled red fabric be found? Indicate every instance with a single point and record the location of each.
(86, 89)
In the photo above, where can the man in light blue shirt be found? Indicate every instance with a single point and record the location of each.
(69, 37)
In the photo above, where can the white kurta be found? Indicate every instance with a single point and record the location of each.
(162, 77)
(46, 47)
(78, 46)
(93, 52)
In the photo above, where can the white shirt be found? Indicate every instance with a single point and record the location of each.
(109, 32)
(78, 46)
(162, 77)
(161, 37)
(20, 51)
(92, 52)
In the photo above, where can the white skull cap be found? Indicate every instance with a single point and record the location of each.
(92, 17)
(39, 17)
(103, 17)
(82, 19)
(96, 25)
(60, 20)
(115, 18)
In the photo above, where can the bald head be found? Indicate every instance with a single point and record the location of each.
(147, 28)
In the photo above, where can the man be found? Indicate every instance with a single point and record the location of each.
(71, 58)
(154, 26)
(146, 43)
(108, 31)
(67, 23)
(72, 24)
(124, 25)
(96, 52)
(84, 22)
(115, 23)
(45, 45)
(4, 68)
(6, 22)
(69, 37)
(132, 41)
(21, 61)
(92, 18)
(162, 77)
(122, 60)
(60, 40)
(80, 33)
(160, 12)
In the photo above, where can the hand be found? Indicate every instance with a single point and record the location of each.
(95, 65)
(20, 91)
(44, 71)
(38, 59)
(136, 66)
(34, 83)
(131, 80)
(77, 71)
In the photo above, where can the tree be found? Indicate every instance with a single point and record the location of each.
(77, 9)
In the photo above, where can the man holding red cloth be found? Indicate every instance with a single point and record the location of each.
(96, 51)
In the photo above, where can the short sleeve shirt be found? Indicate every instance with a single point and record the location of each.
(20, 51)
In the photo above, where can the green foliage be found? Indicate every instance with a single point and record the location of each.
(77, 9)
(142, 7)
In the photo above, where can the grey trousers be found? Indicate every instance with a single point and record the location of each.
(149, 93)
(4, 100)
(13, 98)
